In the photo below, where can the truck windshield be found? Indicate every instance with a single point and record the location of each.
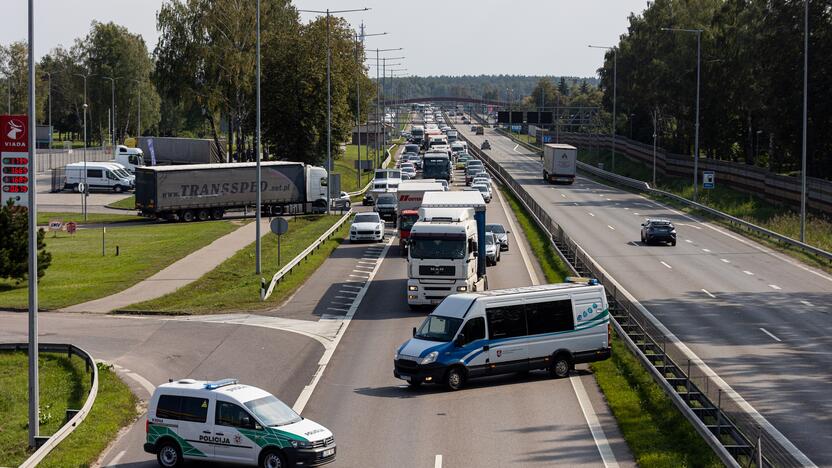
(272, 412)
(407, 221)
(437, 328)
(445, 249)
(386, 200)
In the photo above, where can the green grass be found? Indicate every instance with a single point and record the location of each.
(128, 203)
(657, 434)
(114, 408)
(233, 285)
(80, 273)
(345, 165)
(551, 264)
(92, 218)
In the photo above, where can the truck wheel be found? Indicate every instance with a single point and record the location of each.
(187, 216)
(203, 215)
(118, 189)
(217, 214)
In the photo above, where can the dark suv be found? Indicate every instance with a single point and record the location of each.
(658, 230)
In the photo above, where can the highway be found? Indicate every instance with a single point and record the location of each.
(758, 318)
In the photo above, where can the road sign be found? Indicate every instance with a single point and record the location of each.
(81, 187)
(14, 159)
(71, 227)
(708, 181)
(279, 226)
(55, 224)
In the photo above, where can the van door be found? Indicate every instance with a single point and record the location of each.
(474, 352)
(187, 417)
(508, 349)
(231, 444)
(549, 322)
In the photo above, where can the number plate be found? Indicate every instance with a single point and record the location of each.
(328, 453)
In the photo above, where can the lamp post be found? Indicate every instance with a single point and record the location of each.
(259, 197)
(49, 109)
(328, 99)
(34, 389)
(359, 44)
(378, 99)
(698, 33)
(655, 136)
(86, 189)
(139, 94)
(113, 122)
(805, 120)
(614, 93)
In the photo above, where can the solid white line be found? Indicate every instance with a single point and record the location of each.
(706, 250)
(708, 293)
(725, 260)
(601, 442)
(526, 259)
(515, 147)
(665, 264)
(117, 458)
(774, 286)
(306, 393)
(748, 273)
(612, 228)
(770, 334)
(149, 387)
(807, 303)
(366, 261)
(437, 463)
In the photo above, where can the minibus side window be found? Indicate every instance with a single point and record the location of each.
(506, 321)
(474, 330)
(549, 317)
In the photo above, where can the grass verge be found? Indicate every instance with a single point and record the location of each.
(114, 408)
(92, 218)
(64, 384)
(80, 273)
(345, 166)
(549, 260)
(233, 285)
(128, 203)
(656, 433)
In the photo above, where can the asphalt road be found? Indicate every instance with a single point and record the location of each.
(502, 421)
(759, 319)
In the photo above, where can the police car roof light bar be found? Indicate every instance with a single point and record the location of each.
(219, 383)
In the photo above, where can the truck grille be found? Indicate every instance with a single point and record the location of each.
(434, 288)
(436, 270)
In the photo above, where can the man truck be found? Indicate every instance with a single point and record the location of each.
(207, 191)
(559, 163)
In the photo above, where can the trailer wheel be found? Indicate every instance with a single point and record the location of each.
(203, 215)
(217, 213)
(187, 216)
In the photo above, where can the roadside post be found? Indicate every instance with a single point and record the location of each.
(708, 181)
(82, 189)
(279, 226)
(103, 231)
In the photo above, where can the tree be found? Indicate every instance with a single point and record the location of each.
(563, 88)
(14, 251)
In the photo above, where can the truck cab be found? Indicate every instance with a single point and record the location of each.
(442, 255)
(130, 158)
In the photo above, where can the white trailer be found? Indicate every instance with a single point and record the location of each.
(559, 163)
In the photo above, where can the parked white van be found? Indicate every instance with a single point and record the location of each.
(551, 327)
(100, 176)
(229, 422)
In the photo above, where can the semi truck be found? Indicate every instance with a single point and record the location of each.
(410, 197)
(437, 165)
(207, 191)
(446, 253)
(559, 163)
(169, 150)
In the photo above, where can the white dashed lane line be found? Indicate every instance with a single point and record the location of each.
(748, 273)
(725, 260)
(774, 286)
(706, 250)
(709, 294)
(807, 303)
(665, 264)
(612, 228)
(591, 213)
(770, 334)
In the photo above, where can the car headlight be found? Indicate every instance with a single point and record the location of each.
(462, 288)
(301, 444)
(430, 358)
(413, 288)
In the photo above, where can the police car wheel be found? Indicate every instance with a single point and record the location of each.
(273, 459)
(169, 455)
(455, 378)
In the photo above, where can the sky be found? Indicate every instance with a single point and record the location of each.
(448, 37)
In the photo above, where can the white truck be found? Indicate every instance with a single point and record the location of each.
(446, 248)
(559, 163)
(130, 158)
(410, 196)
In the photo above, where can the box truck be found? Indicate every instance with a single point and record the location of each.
(559, 163)
(207, 191)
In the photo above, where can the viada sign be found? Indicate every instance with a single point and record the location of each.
(14, 159)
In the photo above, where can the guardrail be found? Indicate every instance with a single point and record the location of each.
(733, 220)
(366, 187)
(737, 434)
(266, 292)
(77, 416)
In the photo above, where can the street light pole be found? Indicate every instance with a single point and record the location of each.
(698, 33)
(34, 390)
(803, 181)
(655, 135)
(49, 112)
(113, 122)
(86, 189)
(259, 199)
(139, 93)
(614, 94)
(378, 101)
(359, 42)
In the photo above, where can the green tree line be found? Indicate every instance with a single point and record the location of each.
(199, 80)
(495, 87)
(751, 80)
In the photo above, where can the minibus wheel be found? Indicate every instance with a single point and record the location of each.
(560, 366)
(455, 378)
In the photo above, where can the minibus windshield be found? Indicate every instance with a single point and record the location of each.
(438, 328)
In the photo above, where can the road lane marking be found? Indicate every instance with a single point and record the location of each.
(634, 243)
(563, 195)
(636, 214)
(591, 213)
(515, 147)
(338, 309)
(708, 293)
(350, 286)
(601, 442)
(358, 276)
(770, 334)
(520, 245)
(117, 458)
(807, 303)
(725, 260)
(774, 286)
(612, 228)
(344, 297)
(437, 462)
(689, 241)
(748, 273)
(626, 208)
(706, 250)
(347, 292)
(329, 349)
(575, 204)
(665, 264)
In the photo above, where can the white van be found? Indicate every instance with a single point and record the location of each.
(130, 158)
(100, 176)
(229, 422)
(551, 327)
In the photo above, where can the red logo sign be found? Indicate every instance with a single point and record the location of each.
(14, 133)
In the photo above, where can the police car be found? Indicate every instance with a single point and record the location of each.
(229, 422)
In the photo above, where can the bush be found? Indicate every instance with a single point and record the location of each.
(14, 251)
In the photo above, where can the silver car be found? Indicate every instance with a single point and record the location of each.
(500, 233)
(492, 249)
